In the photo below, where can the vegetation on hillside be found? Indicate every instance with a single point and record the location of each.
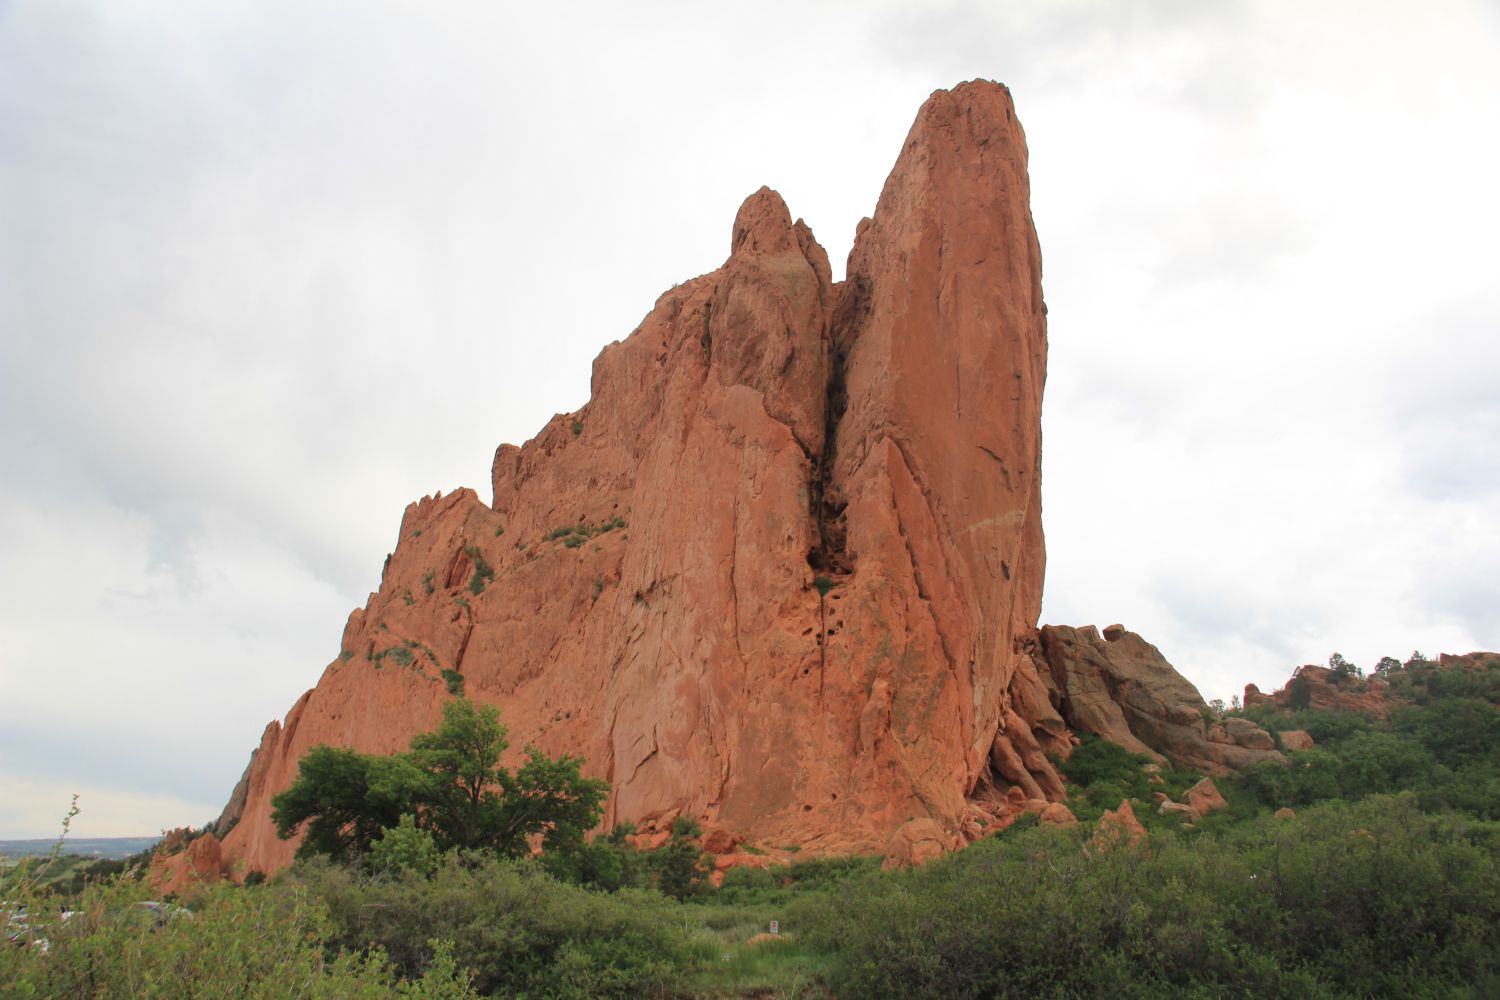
(1385, 882)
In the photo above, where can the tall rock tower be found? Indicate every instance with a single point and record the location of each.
(780, 573)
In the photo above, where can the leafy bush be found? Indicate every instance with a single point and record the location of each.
(483, 571)
(1100, 774)
(522, 932)
(265, 941)
(404, 848)
(1302, 907)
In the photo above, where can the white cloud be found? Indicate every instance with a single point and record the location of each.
(276, 269)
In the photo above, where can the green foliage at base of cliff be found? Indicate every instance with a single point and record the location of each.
(1374, 899)
(1386, 882)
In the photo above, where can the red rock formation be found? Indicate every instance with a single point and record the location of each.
(1296, 739)
(1204, 797)
(1120, 687)
(1320, 688)
(775, 574)
(201, 862)
(1118, 828)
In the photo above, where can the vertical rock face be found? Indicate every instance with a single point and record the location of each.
(779, 572)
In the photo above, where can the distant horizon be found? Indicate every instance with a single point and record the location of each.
(274, 271)
(17, 848)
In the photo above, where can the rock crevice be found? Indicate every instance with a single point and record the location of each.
(782, 572)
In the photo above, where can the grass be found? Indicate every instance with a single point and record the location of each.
(727, 965)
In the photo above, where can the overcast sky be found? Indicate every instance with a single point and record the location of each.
(271, 270)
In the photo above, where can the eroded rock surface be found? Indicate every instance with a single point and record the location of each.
(1321, 689)
(1123, 689)
(773, 575)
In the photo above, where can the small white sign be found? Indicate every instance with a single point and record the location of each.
(775, 927)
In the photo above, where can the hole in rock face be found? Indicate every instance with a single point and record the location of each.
(807, 809)
(835, 796)
(833, 631)
(806, 671)
(807, 631)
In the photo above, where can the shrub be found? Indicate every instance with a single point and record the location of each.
(404, 848)
(264, 941)
(520, 930)
(482, 570)
(1300, 907)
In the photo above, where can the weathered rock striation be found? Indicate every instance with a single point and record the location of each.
(782, 573)
(1119, 686)
(778, 572)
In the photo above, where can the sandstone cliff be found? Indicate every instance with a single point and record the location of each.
(774, 574)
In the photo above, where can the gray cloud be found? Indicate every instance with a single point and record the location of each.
(274, 269)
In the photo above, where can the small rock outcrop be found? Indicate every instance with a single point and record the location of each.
(201, 862)
(1119, 686)
(1197, 802)
(1118, 828)
(1205, 797)
(1322, 689)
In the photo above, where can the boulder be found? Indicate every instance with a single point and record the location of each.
(916, 842)
(1204, 797)
(1057, 814)
(1242, 732)
(1118, 828)
(1296, 739)
(1181, 810)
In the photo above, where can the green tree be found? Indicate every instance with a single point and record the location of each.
(678, 864)
(461, 759)
(451, 781)
(346, 799)
(550, 797)
(1298, 693)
